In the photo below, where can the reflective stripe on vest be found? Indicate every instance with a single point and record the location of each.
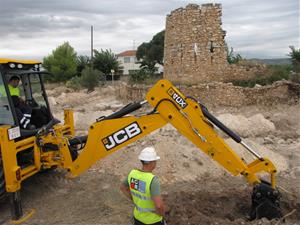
(144, 209)
(140, 196)
(139, 184)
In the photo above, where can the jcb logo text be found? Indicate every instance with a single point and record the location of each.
(121, 136)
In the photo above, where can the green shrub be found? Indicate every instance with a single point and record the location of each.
(139, 76)
(90, 78)
(74, 83)
(144, 76)
(295, 57)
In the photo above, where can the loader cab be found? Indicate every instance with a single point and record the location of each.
(32, 93)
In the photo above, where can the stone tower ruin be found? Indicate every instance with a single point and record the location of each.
(195, 49)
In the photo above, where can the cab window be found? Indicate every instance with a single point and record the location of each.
(36, 89)
(6, 116)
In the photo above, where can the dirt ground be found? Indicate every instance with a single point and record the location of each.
(197, 191)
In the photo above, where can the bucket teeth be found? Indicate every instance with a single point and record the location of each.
(265, 202)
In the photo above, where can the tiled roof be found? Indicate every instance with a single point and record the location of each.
(127, 53)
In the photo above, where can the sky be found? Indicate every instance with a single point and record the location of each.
(32, 29)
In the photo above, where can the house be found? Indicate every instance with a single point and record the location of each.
(128, 62)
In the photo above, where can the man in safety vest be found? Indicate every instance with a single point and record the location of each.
(22, 110)
(13, 84)
(143, 188)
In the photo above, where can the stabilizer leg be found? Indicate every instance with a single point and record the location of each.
(16, 206)
(16, 209)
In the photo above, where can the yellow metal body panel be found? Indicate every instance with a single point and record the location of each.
(6, 60)
(41, 160)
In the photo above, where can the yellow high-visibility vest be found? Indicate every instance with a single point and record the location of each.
(139, 184)
(14, 91)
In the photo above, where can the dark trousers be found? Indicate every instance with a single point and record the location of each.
(137, 222)
(23, 119)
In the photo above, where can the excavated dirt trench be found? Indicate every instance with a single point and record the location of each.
(221, 205)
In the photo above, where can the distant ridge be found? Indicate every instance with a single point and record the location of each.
(280, 61)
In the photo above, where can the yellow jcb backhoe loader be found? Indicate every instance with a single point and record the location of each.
(47, 144)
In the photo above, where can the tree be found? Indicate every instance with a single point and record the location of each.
(295, 57)
(62, 63)
(105, 61)
(152, 52)
(90, 78)
(83, 61)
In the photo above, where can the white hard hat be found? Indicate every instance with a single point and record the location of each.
(148, 154)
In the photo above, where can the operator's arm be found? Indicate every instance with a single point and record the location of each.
(124, 188)
(156, 197)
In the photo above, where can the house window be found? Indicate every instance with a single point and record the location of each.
(126, 59)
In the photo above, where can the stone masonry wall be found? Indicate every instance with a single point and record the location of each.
(225, 94)
(195, 49)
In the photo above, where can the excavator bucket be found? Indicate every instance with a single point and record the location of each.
(265, 202)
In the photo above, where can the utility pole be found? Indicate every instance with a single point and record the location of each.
(92, 29)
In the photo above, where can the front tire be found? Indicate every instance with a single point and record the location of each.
(2, 183)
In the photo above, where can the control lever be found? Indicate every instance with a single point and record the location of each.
(45, 129)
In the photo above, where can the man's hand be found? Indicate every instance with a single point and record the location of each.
(22, 101)
(125, 190)
(159, 205)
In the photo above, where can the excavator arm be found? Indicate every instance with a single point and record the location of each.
(187, 116)
(192, 120)
(113, 132)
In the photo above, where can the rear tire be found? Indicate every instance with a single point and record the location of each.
(2, 183)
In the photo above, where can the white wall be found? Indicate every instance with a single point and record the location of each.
(131, 65)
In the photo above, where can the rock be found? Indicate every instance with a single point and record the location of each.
(256, 125)
(295, 172)
(268, 140)
(262, 124)
(62, 98)
(198, 161)
(184, 155)
(52, 101)
(186, 164)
